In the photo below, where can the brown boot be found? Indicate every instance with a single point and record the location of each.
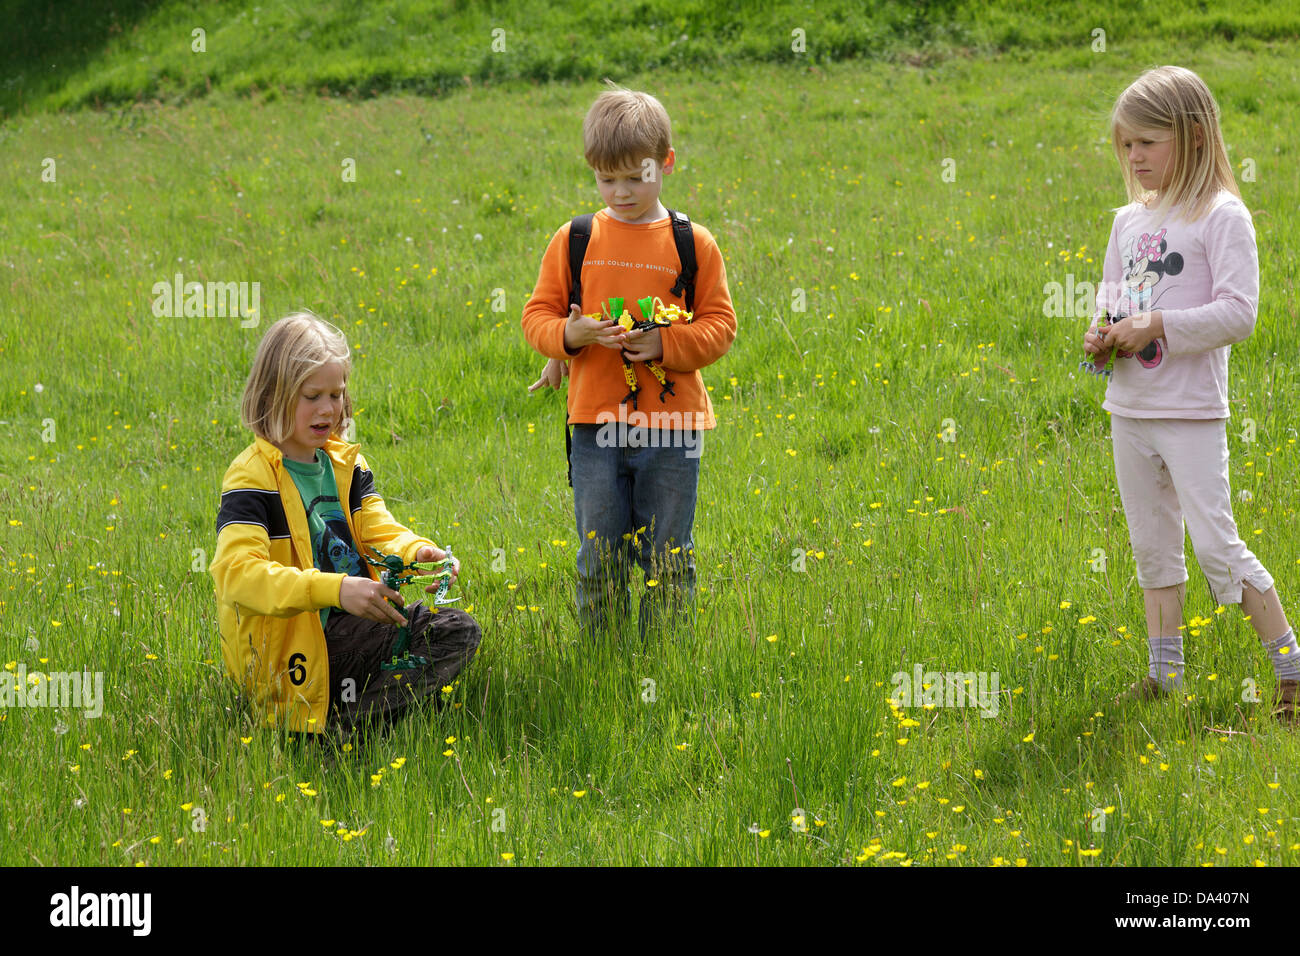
(1146, 689)
(1285, 699)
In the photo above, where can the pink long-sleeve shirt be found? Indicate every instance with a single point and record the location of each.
(1203, 277)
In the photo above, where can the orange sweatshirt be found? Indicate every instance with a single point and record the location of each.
(634, 261)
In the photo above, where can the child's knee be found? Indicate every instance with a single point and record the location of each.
(457, 628)
(1159, 567)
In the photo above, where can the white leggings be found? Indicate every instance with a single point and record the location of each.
(1175, 469)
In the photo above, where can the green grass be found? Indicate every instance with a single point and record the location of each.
(115, 52)
(924, 303)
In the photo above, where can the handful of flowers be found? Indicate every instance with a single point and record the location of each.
(1088, 365)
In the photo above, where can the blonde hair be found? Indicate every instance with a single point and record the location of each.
(624, 127)
(291, 352)
(1176, 100)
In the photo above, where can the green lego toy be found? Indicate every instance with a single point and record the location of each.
(656, 314)
(396, 576)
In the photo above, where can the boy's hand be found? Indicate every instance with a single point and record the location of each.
(553, 374)
(1098, 347)
(581, 331)
(437, 554)
(643, 345)
(364, 597)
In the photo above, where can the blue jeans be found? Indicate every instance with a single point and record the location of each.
(620, 487)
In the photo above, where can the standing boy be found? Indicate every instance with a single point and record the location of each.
(637, 402)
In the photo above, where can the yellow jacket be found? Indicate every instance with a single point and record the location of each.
(269, 591)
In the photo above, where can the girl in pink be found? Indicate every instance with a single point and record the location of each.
(1182, 279)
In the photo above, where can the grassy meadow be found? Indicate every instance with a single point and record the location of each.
(909, 471)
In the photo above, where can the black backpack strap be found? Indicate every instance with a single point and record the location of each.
(684, 239)
(579, 236)
(568, 451)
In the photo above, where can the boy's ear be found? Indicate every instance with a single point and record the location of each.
(668, 163)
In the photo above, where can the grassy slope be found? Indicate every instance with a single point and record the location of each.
(940, 284)
(119, 51)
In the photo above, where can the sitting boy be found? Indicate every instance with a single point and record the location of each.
(306, 629)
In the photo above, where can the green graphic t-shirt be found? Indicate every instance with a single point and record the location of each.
(331, 542)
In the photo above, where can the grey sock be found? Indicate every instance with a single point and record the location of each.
(1166, 660)
(1285, 655)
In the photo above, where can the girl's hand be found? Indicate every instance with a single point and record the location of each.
(643, 345)
(437, 554)
(1134, 333)
(554, 372)
(1095, 345)
(365, 598)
